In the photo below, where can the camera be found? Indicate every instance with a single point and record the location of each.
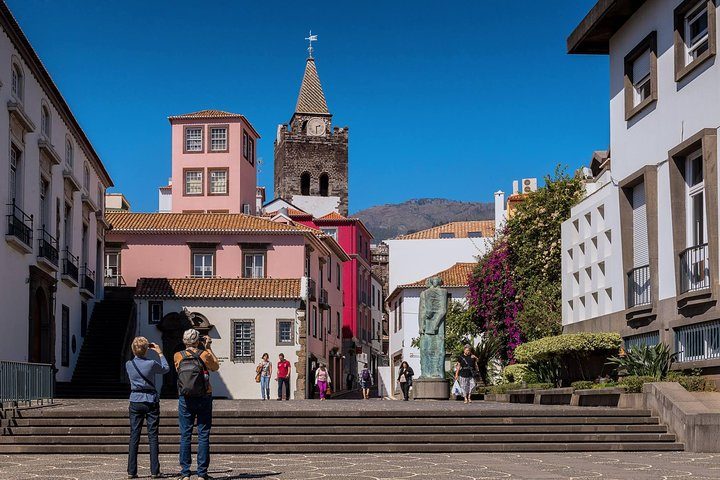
(203, 342)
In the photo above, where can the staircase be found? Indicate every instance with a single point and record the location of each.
(98, 372)
(347, 426)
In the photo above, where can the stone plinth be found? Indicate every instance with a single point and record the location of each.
(431, 389)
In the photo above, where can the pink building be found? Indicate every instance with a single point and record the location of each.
(213, 164)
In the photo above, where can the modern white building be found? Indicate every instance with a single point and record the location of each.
(664, 115)
(53, 187)
(403, 308)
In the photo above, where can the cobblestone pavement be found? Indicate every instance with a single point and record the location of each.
(605, 466)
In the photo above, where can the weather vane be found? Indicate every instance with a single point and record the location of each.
(311, 38)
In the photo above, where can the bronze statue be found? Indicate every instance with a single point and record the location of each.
(433, 308)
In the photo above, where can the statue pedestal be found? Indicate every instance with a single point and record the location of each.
(431, 389)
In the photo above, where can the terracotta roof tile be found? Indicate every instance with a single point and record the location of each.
(218, 288)
(458, 229)
(207, 114)
(333, 216)
(311, 98)
(199, 223)
(455, 276)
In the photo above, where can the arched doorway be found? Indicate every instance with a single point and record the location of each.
(172, 326)
(305, 183)
(324, 185)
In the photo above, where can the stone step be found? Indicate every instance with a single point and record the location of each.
(452, 447)
(101, 430)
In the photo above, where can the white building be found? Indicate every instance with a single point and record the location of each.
(53, 185)
(664, 115)
(403, 307)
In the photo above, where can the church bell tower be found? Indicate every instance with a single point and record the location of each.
(311, 156)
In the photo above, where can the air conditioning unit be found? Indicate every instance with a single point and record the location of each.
(529, 185)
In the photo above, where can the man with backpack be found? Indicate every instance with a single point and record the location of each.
(193, 366)
(366, 381)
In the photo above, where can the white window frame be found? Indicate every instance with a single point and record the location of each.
(215, 182)
(642, 89)
(252, 268)
(15, 175)
(155, 312)
(330, 231)
(86, 178)
(196, 181)
(193, 143)
(281, 340)
(204, 265)
(69, 153)
(45, 122)
(218, 143)
(17, 84)
(691, 193)
(693, 44)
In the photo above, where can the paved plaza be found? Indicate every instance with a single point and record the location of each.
(636, 466)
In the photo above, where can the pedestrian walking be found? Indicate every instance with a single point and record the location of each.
(263, 375)
(144, 402)
(283, 377)
(366, 381)
(193, 366)
(466, 369)
(405, 379)
(322, 380)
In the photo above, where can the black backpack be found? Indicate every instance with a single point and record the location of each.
(192, 375)
(366, 375)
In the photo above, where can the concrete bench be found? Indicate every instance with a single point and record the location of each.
(554, 396)
(597, 397)
(523, 395)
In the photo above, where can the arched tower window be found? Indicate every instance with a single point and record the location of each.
(324, 185)
(18, 82)
(305, 184)
(45, 121)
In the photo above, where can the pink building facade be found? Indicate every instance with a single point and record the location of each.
(213, 164)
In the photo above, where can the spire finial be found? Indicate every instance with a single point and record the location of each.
(311, 38)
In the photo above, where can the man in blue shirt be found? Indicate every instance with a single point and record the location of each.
(144, 402)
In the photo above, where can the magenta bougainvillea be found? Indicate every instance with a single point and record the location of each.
(492, 296)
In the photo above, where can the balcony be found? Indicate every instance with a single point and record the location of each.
(694, 269)
(89, 202)
(323, 300)
(47, 148)
(48, 254)
(639, 291)
(114, 280)
(70, 179)
(87, 281)
(70, 268)
(101, 219)
(311, 289)
(19, 229)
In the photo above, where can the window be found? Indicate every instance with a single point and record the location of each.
(307, 264)
(305, 183)
(254, 265)
(243, 341)
(696, 228)
(218, 139)
(86, 177)
(324, 185)
(285, 332)
(45, 122)
(44, 203)
(338, 325)
(332, 232)
(447, 235)
(641, 76)
(338, 272)
(329, 270)
(193, 182)
(329, 322)
(373, 295)
(65, 340)
(193, 139)
(321, 328)
(248, 148)
(695, 35)
(203, 265)
(18, 82)
(314, 322)
(69, 153)
(218, 182)
(15, 175)
(475, 234)
(155, 312)
(246, 208)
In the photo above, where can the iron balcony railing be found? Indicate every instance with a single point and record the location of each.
(639, 286)
(694, 268)
(70, 264)
(698, 342)
(323, 300)
(19, 224)
(312, 295)
(115, 280)
(26, 382)
(48, 246)
(87, 279)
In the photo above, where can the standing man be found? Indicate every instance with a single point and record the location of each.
(193, 366)
(283, 377)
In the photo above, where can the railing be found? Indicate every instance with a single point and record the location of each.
(694, 268)
(87, 279)
(650, 339)
(639, 286)
(19, 224)
(312, 295)
(323, 300)
(70, 265)
(48, 246)
(116, 280)
(698, 342)
(26, 382)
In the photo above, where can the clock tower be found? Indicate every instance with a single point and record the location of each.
(311, 156)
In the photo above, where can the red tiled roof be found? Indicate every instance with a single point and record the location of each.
(218, 288)
(333, 216)
(455, 276)
(459, 229)
(207, 114)
(199, 223)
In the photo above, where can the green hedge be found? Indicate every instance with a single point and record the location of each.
(576, 344)
(634, 383)
(588, 385)
(518, 373)
(692, 383)
(508, 387)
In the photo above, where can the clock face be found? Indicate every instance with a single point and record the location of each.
(315, 127)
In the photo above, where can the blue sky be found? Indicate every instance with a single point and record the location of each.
(443, 99)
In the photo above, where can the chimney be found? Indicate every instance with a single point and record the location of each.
(499, 210)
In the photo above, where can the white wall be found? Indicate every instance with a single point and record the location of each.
(316, 205)
(413, 260)
(234, 380)
(593, 282)
(164, 200)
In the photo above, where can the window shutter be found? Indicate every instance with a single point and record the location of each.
(641, 66)
(641, 254)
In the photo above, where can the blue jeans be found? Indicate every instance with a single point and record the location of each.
(265, 387)
(139, 411)
(190, 409)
